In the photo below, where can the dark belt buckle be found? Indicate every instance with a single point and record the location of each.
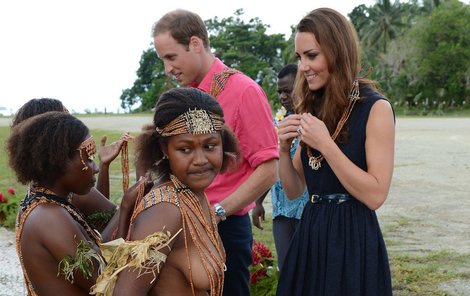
(313, 197)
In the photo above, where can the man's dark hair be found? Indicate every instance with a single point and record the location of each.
(290, 69)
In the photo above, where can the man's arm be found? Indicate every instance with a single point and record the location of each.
(258, 141)
(262, 178)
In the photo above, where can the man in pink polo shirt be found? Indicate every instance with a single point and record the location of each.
(181, 41)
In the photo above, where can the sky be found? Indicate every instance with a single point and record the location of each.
(86, 52)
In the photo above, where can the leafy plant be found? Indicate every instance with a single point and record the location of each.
(101, 218)
(81, 262)
(263, 275)
(9, 204)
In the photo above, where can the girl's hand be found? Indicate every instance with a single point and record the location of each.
(108, 153)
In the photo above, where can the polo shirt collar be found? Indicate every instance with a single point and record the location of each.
(206, 82)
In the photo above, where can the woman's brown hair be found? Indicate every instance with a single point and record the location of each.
(338, 41)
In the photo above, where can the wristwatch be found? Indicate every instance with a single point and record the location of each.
(220, 211)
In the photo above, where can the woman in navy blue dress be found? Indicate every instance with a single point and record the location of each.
(347, 134)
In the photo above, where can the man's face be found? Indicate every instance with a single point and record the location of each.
(180, 60)
(285, 85)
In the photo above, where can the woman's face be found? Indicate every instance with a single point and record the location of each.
(76, 178)
(312, 61)
(195, 159)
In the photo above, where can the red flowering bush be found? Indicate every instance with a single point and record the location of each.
(263, 278)
(8, 207)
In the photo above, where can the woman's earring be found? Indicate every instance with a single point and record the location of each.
(165, 156)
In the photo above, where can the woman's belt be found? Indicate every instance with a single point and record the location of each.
(336, 198)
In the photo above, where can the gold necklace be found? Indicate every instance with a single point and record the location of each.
(315, 161)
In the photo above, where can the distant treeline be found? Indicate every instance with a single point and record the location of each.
(419, 54)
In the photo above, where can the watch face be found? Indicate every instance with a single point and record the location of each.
(220, 211)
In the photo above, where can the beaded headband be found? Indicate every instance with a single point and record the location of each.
(193, 122)
(90, 148)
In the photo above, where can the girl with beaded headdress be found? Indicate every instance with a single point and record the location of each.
(57, 246)
(346, 129)
(185, 148)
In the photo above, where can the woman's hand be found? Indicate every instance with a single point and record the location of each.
(313, 131)
(287, 131)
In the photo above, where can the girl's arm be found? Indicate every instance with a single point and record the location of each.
(163, 217)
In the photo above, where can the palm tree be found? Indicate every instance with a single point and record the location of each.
(385, 23)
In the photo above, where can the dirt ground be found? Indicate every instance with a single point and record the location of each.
(429, 202)
(428, 205)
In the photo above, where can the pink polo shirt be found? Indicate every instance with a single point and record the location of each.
(247, 112)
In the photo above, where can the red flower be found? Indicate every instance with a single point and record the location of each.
(256, 257)
(2, 198)
(262, 261)
(11, 190)
(259, 274)
(260, 253)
